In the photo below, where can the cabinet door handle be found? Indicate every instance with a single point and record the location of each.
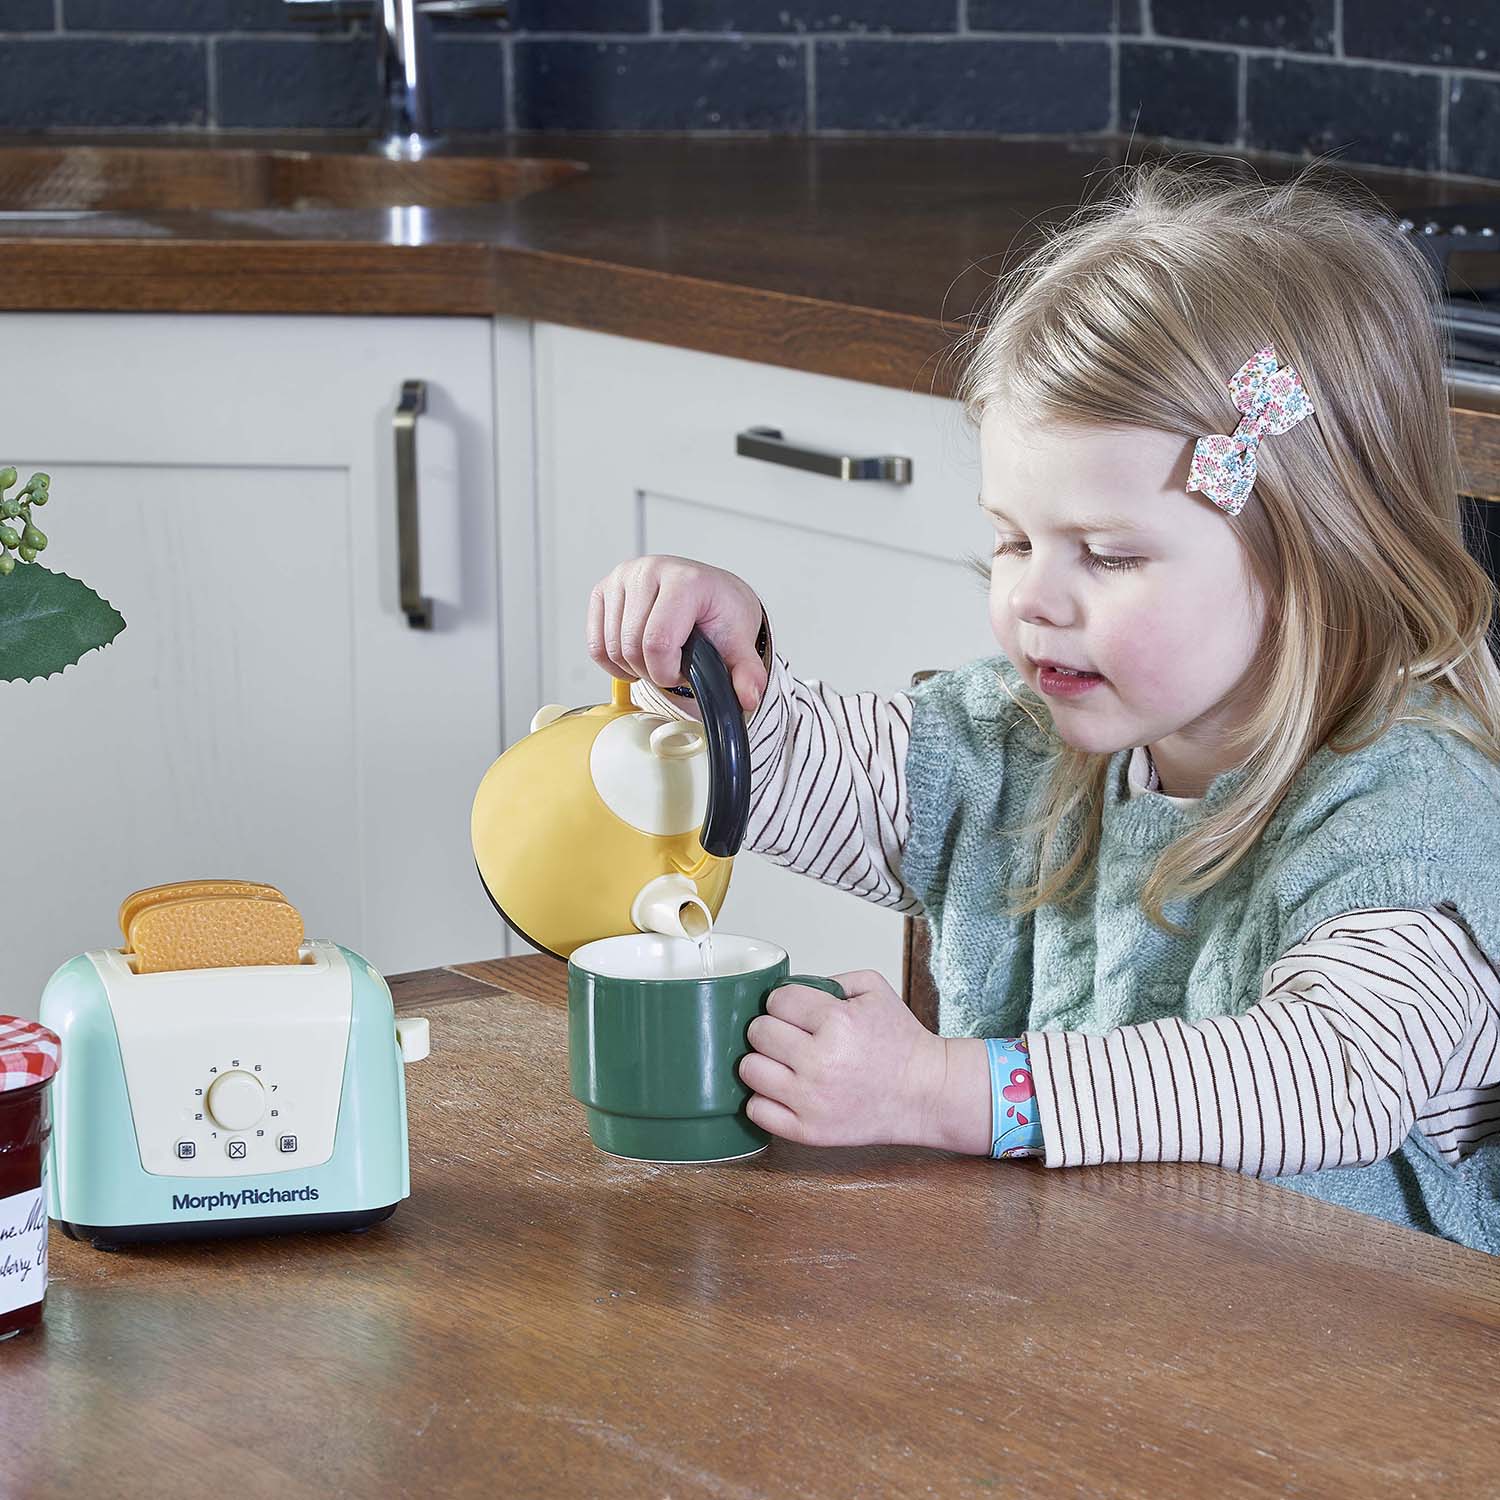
(767, 443)
(412, 404)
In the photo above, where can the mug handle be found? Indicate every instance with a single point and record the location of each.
(815, 981)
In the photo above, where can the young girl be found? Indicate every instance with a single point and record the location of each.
(1211, 853)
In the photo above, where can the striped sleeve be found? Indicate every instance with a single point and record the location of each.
(828, 782)
(1380, 1020)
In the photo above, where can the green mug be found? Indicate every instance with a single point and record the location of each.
(654, 1046)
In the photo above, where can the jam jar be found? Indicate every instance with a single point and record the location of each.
(29, 1055)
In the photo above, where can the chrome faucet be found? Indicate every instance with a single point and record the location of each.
(402, 34)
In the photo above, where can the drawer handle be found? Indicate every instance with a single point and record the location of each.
(767, 443)
(412, 404)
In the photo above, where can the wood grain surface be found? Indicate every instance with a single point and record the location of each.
(867, 257)
(540, 1319)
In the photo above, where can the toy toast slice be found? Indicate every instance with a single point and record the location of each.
(214, 932)
(181, 890)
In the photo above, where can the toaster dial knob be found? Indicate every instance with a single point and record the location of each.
(236, 1099)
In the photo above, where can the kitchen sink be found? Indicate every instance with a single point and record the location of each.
(154, 179)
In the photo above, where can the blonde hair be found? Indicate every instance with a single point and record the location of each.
(1135, 313)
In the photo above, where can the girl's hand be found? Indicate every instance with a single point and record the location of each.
(642, 612)
(857, 1072)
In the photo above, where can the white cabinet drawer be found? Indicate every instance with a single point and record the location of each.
(692, 405)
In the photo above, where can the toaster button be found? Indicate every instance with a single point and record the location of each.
(286, 1143)
(186, 1149)
(236, 1150)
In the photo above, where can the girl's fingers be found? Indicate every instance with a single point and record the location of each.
(641, 614)
(776, 1118)
(801, 1005)
(637, 607)
(595, 629)
(779, 1039)
(593, 626)
(750, 682)
(665, 633)
(614, 609)
(766, 1076)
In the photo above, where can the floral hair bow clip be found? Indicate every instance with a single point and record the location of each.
(1272, 400)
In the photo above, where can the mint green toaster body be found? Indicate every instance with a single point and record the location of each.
(152, 1135)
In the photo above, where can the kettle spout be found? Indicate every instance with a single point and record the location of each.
(671, 905)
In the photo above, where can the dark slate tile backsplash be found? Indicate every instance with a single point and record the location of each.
(1387, 82)
(967, 84)
(667, 84)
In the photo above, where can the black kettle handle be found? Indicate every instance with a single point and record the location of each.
(728, 746)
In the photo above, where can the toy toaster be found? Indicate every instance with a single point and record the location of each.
(222, 1076)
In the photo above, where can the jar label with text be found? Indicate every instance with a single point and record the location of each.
(23, 1247)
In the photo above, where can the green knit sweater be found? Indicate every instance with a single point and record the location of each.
(1410, 820)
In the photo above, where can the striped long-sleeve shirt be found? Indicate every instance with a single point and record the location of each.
(1377, 1021)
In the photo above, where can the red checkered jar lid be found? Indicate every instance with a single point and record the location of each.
(28, 1053)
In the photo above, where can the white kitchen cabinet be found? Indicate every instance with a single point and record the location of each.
(865, 580)
(268, 713)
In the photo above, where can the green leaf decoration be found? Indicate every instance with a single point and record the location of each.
(48, 620)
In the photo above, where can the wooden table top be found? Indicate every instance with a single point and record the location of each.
(541, 1319)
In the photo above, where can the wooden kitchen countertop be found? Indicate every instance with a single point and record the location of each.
(541, 1319)
(865, 256)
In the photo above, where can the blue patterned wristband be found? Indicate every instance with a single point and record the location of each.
(1015, 1129)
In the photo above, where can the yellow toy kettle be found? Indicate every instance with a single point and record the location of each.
(609, 820)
